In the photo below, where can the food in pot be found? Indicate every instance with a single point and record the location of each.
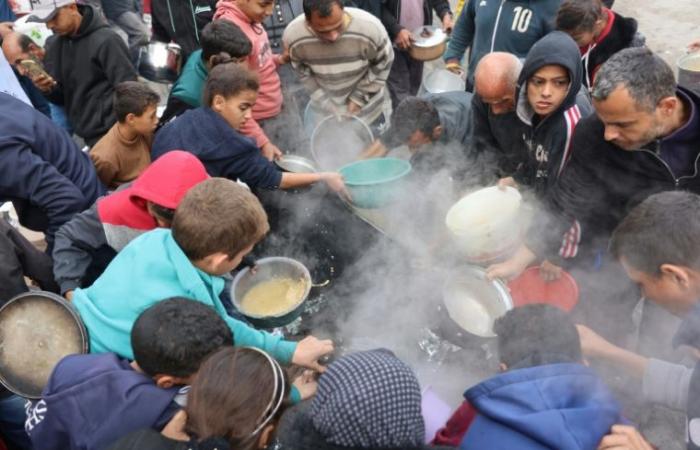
(273, 297)
(471, 314)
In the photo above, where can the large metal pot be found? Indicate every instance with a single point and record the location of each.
(266, 269)
(339, 140)
(441, 80)
(161, 62)
(689, 72)
(429, 43)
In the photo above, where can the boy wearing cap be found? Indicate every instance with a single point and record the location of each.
(85, 60)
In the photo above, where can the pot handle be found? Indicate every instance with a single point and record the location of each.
(322, 284)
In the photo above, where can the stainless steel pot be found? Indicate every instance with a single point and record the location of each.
(429, 43)
(689, 72)
(441, 80)
(296, 164)
(161, 62)
(339, 140)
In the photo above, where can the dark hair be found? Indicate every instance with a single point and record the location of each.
(411, 115)
(646, 76)
(579, 15)
(133, 97)
(535, 335)
(162, 212)
(234, 395)
(663, 229)
(218, 215)
(175, 335)
(228, 80)
(224, 36)
(322, 7)
(25, 42)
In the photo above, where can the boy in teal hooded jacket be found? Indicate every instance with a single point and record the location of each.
(215, 226)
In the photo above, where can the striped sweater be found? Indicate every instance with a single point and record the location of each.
(354, 67)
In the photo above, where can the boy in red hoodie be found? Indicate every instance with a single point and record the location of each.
(270, 119)
(88, 242)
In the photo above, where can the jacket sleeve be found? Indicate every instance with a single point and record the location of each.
(463, 33)
(253, 169)
(487, 151)
(375, 78)
(75, 243)
(51, 65)
(667, 384)
(390, 22)
(244, 335)
(160, 32)
(441, 7)
(11, 272)
(106, 170)
(115, 61)
(35, 264)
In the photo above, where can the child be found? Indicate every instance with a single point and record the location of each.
(222, 41)
(88, 242)
(91, 401)
(124, 152)
(215, 226)
(658, 245)
(237, 416)
(544, 399)
(598, 31)
(212, 133)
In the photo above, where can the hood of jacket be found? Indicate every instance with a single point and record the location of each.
(92, 21)
(556, 406)
(165, 182)
(556, 48)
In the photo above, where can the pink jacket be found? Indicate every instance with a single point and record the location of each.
(263, 62)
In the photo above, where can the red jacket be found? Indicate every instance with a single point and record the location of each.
(454, 430)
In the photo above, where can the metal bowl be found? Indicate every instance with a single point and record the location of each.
(441, 80)
(161, 62)
(296, 164)
(266, 269)
(429, 43)
(339, 140)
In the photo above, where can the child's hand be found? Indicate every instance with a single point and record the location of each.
(511, 268)
(592, 344)
(335, 182)
(623, 437)
(506, 182)
(175, 429)
(309, 350)
(271, 152)
(306, 384)
(550, 272)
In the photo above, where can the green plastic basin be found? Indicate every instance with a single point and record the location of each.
(374, 183)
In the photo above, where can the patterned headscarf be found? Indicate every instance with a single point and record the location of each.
(369, 399)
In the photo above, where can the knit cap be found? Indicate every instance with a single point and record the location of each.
(369, 399)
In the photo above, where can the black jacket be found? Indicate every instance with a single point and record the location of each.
(284, 12)
(599, 186)
(115, 8)
(181, 21)
(87, 67)
(548, 139)
(391, 12)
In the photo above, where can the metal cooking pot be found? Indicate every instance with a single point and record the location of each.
(429, 43)
(161, 62)
(266, 269)
(689, 72)
(296, 164)
(441, 80)
(339, 140)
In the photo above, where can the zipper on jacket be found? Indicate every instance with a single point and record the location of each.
(676, 181)
(194, 21)
(498, 19)
(170, 13)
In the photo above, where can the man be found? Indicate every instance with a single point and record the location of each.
(511, 26)
(343, 57)
(47, 178)
(658, 245)
(18, 47)
(85, 89)
(181, 22)
(497, 131)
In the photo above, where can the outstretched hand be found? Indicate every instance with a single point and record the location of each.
(309, 350)
(623, 437)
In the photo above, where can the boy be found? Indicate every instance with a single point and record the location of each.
(544, 399)
(598, 31)
(125, 151)
(220, 39)
(88, 242)
(215, 226)
(658, 245)
(91, 401)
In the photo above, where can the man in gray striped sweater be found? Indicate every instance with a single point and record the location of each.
(343, 56)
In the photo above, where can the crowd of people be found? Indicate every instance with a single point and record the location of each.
(145, 214)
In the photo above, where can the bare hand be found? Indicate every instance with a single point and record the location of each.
(503, 183)
(306, 384)
(309, 350)
(69, 295)
(593, 345)
(453, 66)
(376, 149)
(694, 46)
(175, 429)
(353, 108)
(512, 267)
(270, 151)
(44, 83)
(550, 272)
(335, 183)
(447, 23)
(404, 39)
(623, 437)
(284, 57)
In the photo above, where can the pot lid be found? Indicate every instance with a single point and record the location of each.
(428, 36)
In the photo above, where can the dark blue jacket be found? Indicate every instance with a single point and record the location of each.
(93, 400)
(6, 14)
(555, 406)
(42, 171)
(223, 151)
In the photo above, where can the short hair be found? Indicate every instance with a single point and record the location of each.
(575, 15)
(175, 335)
(237, 390)
(663, 229)
(322, 7)
(229, 80)
(25, 42)
(411, 115)
(133, 97)
(646, 76)
(218, 215)
(224, 36)
(535, 335)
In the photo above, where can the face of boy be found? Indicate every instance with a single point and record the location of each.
(256, 10)
(547, 89)
(146, 123)
(237, 109)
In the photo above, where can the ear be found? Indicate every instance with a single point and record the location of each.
(165, 381)
(437, 132)
(266, 436)
(129, 119)
(668, 105)
(217, 103)
(677, 274)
